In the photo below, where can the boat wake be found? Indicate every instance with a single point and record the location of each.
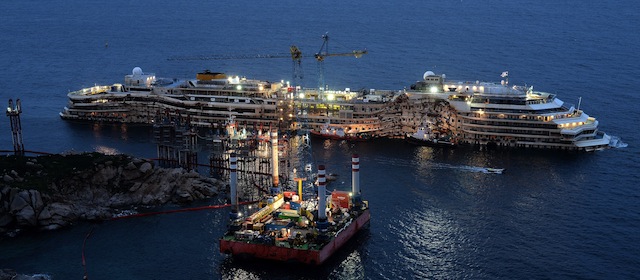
(615, 142)
(436, 165)
(487, 170)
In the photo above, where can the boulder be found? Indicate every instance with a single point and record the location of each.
(36, 200)
(145, 167)
(130, 174)
(44, 215)
(135, 187)
(130, 166)
(18, 202)
(104, 175)
(26, 217)
(7, 178)
(61, 210)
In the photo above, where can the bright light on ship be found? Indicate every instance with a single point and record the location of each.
(331, 97)
(239, 87)
(301, 95)
(434, 89)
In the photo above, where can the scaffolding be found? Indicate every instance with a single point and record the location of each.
(13, 112)
(176, 141)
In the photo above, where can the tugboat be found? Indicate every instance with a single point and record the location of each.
(425, 137)
(289, 228)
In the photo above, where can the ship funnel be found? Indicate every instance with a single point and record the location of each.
(233, 185)
(322, 197)
(275, 162)
(355, 177)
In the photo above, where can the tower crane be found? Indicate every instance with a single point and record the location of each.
(294, 53)
(324, 52)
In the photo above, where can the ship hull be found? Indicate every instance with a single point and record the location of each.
(285, 254)
(431, 143)
(337, 137)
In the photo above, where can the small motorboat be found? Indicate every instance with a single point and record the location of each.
(494, 170)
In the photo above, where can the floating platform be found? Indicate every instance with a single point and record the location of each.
(289, 229)
(292, 249)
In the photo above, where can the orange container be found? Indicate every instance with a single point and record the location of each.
(341, 198)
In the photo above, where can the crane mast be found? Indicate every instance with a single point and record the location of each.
(323, 53)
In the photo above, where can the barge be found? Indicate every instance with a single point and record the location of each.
(289, 228)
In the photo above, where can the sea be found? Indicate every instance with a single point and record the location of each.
(435, 214)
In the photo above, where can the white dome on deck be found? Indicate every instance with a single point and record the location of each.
(136, 71)
(427, 74)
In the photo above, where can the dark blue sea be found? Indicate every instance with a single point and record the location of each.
(551, 215)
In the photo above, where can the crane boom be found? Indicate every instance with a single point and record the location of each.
(324, 52)
(222, 57)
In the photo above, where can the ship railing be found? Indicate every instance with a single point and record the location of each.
(91, 90)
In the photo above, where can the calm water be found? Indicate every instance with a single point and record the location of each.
(551, 215)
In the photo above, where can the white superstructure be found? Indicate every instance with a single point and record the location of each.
(209, 100)
(499, 114)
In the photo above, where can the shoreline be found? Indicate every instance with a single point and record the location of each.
(54, 191)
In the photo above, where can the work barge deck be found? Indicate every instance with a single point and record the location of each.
(288, 228)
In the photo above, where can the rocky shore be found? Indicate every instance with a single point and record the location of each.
(10, 274)
(54, 191)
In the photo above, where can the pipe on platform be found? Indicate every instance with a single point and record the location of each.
(355, 176)
(275, 161)
(322, 193)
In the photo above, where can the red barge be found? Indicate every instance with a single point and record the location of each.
(290, 229)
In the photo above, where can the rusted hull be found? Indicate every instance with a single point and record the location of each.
(276, 253)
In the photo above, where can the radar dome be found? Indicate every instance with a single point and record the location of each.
(427, 74)
(137, 71)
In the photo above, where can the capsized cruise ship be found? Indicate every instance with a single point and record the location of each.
(465, 112)
(499, 114)
(208, 101)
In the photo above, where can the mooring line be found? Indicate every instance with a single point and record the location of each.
(179, 210)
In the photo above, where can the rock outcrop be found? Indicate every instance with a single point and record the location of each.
(10, 274)
(51, 192)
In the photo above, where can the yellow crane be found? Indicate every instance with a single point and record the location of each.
(294, 53)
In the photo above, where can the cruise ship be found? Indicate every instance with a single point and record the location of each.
(356, 114)
(209, 100)
(477, 113)
(499, 114)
